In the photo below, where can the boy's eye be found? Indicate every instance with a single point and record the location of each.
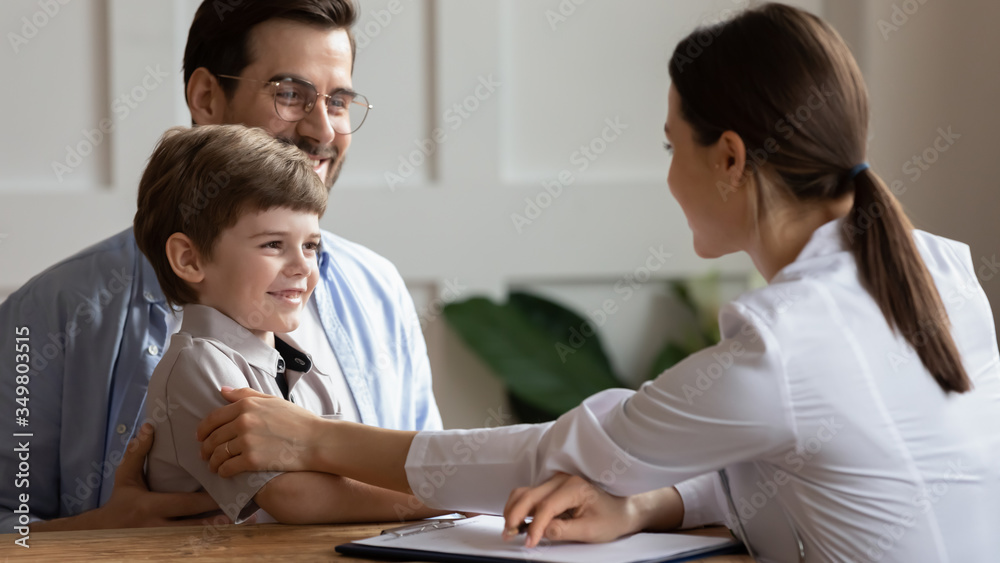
(669, 147)
(313, 246)
(272, 244)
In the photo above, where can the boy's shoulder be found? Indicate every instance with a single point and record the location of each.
(200, 363)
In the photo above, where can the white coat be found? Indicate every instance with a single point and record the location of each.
(830, 429)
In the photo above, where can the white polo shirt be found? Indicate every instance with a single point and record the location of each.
(210, 351)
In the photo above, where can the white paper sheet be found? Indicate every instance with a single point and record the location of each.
(480, 536)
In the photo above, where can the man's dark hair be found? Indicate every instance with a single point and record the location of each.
(219, 38)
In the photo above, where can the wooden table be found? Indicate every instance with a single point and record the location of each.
(263, 542)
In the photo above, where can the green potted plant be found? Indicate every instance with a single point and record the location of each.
(551, 358)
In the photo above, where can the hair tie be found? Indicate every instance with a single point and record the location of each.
(857, 170)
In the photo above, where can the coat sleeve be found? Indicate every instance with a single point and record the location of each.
(726, 404)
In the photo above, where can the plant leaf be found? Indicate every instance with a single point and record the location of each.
(562, 324)
(526, 357)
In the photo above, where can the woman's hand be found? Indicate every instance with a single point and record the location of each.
(594, 516)
(258, 432)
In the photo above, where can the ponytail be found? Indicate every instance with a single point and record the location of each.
(767, 64)
(891, 269)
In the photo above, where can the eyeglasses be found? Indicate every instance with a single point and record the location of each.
(294, 99)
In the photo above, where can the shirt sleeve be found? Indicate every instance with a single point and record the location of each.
(723, 405)
(704, 501)
(192, 392)
(418, 367)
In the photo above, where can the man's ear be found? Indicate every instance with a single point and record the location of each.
(206, 100)
(731, 157)
(185, 260)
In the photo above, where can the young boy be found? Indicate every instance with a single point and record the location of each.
(229, 219)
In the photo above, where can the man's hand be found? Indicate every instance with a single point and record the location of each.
(132, 505)
(258, 432)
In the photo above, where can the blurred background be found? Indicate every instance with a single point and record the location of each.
(515, 145)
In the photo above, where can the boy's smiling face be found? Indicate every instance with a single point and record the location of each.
(263, 270)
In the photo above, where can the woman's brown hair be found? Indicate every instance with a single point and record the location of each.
(787, 84)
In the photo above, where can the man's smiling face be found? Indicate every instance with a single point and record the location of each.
(287, 49)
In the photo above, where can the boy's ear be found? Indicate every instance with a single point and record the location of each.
(206, 100)
(185, 260)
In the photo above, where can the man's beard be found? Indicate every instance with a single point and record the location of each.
(335, 160)
(334, 165)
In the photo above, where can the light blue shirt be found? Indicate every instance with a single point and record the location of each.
(97, 323)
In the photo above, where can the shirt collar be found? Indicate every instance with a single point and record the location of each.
(201, 321)
(825, 242)
(151, 291)
(291, 358)
(324, 256)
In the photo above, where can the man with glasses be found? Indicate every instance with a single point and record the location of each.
(284, 66)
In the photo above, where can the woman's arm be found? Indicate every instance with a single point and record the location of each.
(257, 429)
(305, 497)
(674, 428)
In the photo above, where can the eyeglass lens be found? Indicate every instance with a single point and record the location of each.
(294, 100)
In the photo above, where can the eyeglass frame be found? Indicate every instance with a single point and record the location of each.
(274, 96)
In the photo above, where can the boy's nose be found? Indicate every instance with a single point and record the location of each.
(299, 265)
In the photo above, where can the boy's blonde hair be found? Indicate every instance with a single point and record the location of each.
(200, 180)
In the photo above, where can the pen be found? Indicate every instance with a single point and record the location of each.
(566, 515)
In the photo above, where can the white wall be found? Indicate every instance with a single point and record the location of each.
(449, 223)
(941, 71)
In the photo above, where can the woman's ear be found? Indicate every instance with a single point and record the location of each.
(728, 158)
(185, 260)
(205, 98)
(731, 157)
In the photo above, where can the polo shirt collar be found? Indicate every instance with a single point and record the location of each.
(201, 321)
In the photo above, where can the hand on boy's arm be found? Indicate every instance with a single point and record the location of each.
(132, 505)
(260, 431)
(306, 497)
(266, 433)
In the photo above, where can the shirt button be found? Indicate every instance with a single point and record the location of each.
(153, 350)
(148, 295)
(121, 429)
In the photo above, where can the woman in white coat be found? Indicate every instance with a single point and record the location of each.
(851, 411)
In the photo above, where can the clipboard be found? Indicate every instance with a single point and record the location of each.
(477, 540)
